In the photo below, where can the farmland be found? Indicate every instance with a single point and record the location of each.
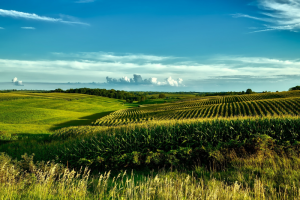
(216, 147)
(268, 104)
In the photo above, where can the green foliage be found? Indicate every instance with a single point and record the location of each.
(161, 144)
(161, 96)
(117, 94)
(249, 91)
(257, 176)
(153, 97)
(295, 88)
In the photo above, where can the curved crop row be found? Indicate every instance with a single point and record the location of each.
(266, 107)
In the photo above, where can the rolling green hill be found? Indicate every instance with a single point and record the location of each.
(28, 113)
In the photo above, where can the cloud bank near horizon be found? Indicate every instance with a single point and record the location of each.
(138, 80)
(105, 67)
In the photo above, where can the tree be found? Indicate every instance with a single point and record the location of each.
(161, 96)
(129, 100)
(295, 88)
(143, 98)
(58, 90)
(111, 95)
(249, 91)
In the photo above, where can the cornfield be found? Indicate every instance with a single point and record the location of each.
(169, 143)
(267, 104)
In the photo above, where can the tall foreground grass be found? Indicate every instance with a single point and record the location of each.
(260, 176)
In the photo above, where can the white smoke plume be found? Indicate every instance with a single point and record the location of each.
(138, 80)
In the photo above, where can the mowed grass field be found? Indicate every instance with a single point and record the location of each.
(39, 113)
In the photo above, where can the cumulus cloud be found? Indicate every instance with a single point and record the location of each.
(28, 28)
(279, 14)
(32, 16)
(138, 80)
(16, 82)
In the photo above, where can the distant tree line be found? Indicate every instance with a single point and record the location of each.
(248, 91)
(117, 94)
(6, 91)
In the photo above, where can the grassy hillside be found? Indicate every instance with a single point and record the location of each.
(231, 147)
(266, 104)
(27, 113)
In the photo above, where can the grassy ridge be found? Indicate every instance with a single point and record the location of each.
(27, 113)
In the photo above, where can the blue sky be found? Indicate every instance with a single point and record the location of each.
(213, 45)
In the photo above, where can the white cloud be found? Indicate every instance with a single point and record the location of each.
(112, 57)
(14, 79)
(32, 16)
(280, 14)
(1, 28)
(138, 80)
(260, 60)
(241, 66)
(155, 72)
(251, 17)
(171, 82)
(85, 1)
(28, 28)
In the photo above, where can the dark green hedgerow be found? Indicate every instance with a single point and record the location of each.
(161, 145)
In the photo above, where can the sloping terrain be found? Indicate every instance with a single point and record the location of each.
(44, 112)
(265, 104)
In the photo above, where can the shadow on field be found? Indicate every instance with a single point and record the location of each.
(23, 136)
(87, 120)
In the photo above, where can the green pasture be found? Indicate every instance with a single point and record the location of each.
(32, 113)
